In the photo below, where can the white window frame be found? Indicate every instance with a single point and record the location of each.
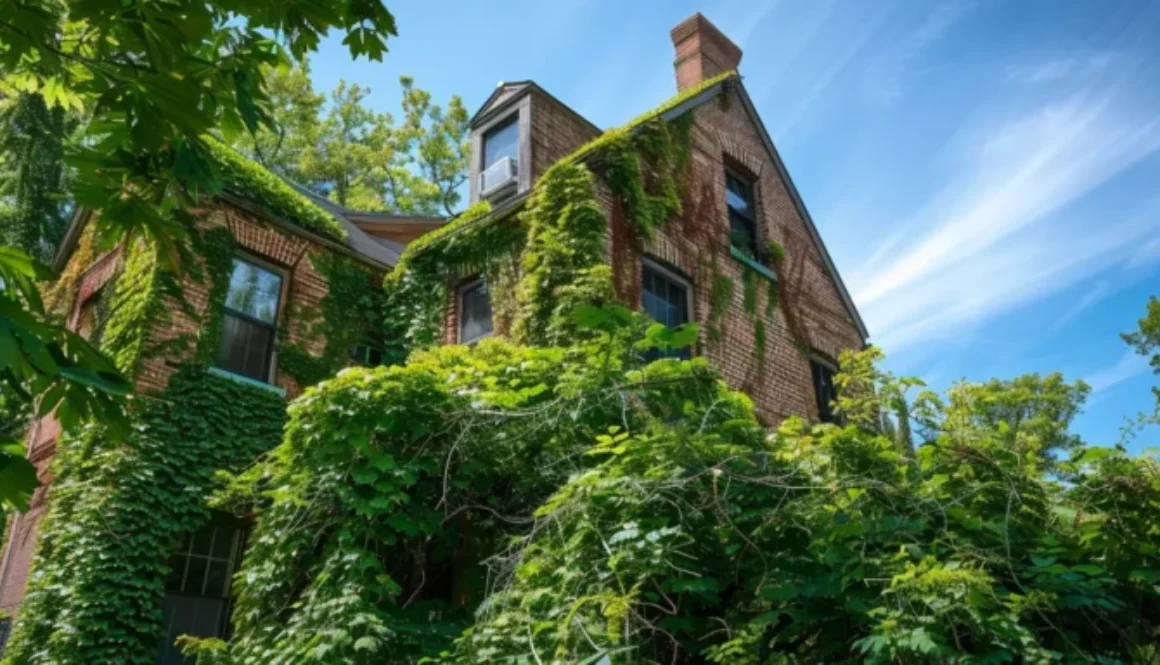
(460, 309)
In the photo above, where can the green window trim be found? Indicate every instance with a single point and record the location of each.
(277, 390)
(748, 262)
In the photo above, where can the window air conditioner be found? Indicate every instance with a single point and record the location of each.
(499, 177)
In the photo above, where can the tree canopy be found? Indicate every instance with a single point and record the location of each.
(365, 160)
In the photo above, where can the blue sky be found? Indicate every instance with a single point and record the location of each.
(984, 173)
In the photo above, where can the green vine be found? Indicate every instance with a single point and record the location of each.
(352, 311)
(254, 182)
(217, 249)
(135, 307)
(720, 296)
(117, 511)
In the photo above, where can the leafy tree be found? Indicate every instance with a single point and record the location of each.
(1146, 337)
(34, 206)
(360, 158)
(154, 78)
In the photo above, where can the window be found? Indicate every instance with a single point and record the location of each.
(367, 353)
(665, 297)
(474, 313)
(742, 212)
(501, 157)
(501, 141)
(198, 587)
(823, 375)
(248, 325)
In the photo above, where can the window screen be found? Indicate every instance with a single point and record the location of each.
(474, 313)
(248, 324)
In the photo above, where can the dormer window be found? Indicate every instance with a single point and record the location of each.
(742, 212)
(501, 158)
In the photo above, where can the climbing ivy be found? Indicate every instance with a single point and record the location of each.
(217, 250)
(352, 311)
(136, 307)
(117, 511)
(558, 236)
(252, 181)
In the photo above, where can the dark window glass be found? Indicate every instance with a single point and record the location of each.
(742, 216)
(474, 313)
(198, 587)
(251, 310)
(824, 390)
(202, 563)
(502, 141)
(665, 299)
(367, 355)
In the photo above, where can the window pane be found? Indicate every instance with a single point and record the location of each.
(667, 301)
(223, 543)
(176, 571)
(246, 347)
(217, 581)
(475, 313)
(824, 390)
(254, 291)
(742, 233)
(503, 141)
(195, 576)
(203, 541)
(737, 194)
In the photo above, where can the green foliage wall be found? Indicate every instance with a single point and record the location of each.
(352, 311)
(117, 506)
(118, 509)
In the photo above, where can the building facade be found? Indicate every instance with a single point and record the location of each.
(267, 303)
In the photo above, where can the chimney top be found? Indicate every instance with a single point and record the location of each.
(703, 51)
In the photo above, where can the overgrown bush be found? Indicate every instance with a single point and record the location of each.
(568, 505)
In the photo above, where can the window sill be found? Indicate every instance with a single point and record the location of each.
(753, 265)
(277, 390)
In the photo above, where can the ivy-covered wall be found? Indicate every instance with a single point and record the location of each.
(116, 507)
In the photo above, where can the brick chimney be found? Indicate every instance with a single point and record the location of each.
(703, 51)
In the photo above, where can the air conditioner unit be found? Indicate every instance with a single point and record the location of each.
(499, 178)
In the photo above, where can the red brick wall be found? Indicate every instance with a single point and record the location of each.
(303, 287)
(724, 133)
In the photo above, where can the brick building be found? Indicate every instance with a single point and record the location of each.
(737, 189)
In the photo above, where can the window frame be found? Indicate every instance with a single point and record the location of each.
(825, 412)
(500, 124)
(462, 291)
(675, 276)
(750, 183)
(272, 357)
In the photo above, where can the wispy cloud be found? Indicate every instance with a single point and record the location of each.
(826, 62)
(989, 239)
(1097, 292)
(1061, 68)
(743, 30)
(1129, 366)
(886, 77)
